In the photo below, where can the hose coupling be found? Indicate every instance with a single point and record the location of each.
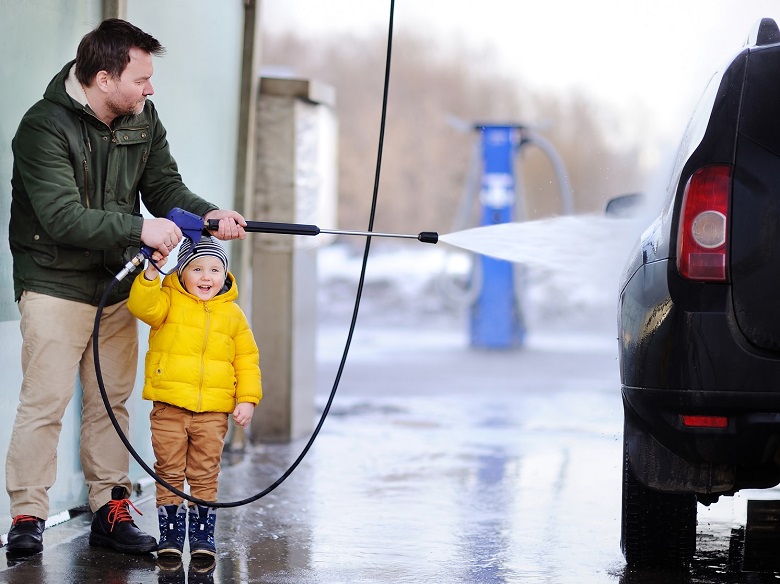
(130, 266)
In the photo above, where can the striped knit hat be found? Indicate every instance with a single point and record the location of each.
(207, 246)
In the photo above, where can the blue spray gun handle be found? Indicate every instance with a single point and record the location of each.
(191, 226)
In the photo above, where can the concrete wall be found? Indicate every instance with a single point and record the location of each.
(197, 93)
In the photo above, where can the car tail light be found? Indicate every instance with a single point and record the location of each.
(705, 421)
(702, 239)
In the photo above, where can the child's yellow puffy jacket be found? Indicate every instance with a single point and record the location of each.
(202, 355)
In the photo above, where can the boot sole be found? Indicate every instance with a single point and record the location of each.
(171, 553)
(202, 554)
(23, 550)
(98, 540)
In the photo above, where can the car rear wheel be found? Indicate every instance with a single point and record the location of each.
(657, 529)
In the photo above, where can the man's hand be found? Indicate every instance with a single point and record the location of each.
(231, 224)
(160, 234)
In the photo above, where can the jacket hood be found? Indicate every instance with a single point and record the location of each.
(56, 93)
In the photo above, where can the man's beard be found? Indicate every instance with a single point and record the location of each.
(123, 108)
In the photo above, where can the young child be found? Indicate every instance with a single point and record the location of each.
(202, 365)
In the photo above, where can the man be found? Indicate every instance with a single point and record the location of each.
(82, 156)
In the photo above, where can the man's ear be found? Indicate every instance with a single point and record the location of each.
(102, 80)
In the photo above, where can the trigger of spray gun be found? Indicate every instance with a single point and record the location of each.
(191, 226)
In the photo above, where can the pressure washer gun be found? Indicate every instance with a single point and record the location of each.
(191, 226)
(194, 227)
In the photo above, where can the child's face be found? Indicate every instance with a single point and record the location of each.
(204, 277)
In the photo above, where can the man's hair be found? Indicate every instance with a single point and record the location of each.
(107, 48)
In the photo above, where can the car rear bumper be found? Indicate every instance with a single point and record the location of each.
(667, 455)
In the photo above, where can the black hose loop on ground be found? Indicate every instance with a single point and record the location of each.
(326, 410)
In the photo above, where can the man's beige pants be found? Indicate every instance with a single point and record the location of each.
(56, 349)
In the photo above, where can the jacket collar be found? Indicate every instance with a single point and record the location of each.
(74, 88)
(56, 91)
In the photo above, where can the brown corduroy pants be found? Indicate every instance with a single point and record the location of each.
(187, 445)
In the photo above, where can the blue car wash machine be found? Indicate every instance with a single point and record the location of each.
(496, 311)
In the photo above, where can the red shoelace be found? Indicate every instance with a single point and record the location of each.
(23, 518)
(118, 512)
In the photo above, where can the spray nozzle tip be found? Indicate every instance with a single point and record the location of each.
(428, 237)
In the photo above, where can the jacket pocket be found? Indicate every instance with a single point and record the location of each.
(158, 409)
(49, 254)
(127, 164)
(155, 366)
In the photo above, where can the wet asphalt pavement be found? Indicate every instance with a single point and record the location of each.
(437, 464)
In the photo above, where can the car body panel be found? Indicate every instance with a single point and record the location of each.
(708, 348)
(756, 202)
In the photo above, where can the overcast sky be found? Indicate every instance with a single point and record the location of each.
(658, 53)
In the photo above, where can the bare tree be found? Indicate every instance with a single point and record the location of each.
(426, 157)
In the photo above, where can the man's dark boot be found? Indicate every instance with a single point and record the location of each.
(113, 527)
(25, 536)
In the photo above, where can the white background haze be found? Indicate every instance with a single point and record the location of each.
(649, 59)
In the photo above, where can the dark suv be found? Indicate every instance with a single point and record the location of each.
(699, 316)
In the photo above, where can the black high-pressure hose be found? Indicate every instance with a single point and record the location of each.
(332, 395)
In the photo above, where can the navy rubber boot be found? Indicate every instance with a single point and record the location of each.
(201, 531)
(173, 529)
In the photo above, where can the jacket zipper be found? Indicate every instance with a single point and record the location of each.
(84, 162)
(86, 183)
(203, 355)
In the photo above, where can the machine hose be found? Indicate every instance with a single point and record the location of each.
(326, 410)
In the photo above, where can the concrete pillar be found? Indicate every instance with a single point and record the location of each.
(115, 9)
(295, 177)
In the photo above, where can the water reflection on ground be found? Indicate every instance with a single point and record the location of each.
(443, 466)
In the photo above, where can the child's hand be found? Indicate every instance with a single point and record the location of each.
(151, 272)
(242, 415)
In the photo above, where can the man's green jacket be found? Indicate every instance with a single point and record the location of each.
(75, 207)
